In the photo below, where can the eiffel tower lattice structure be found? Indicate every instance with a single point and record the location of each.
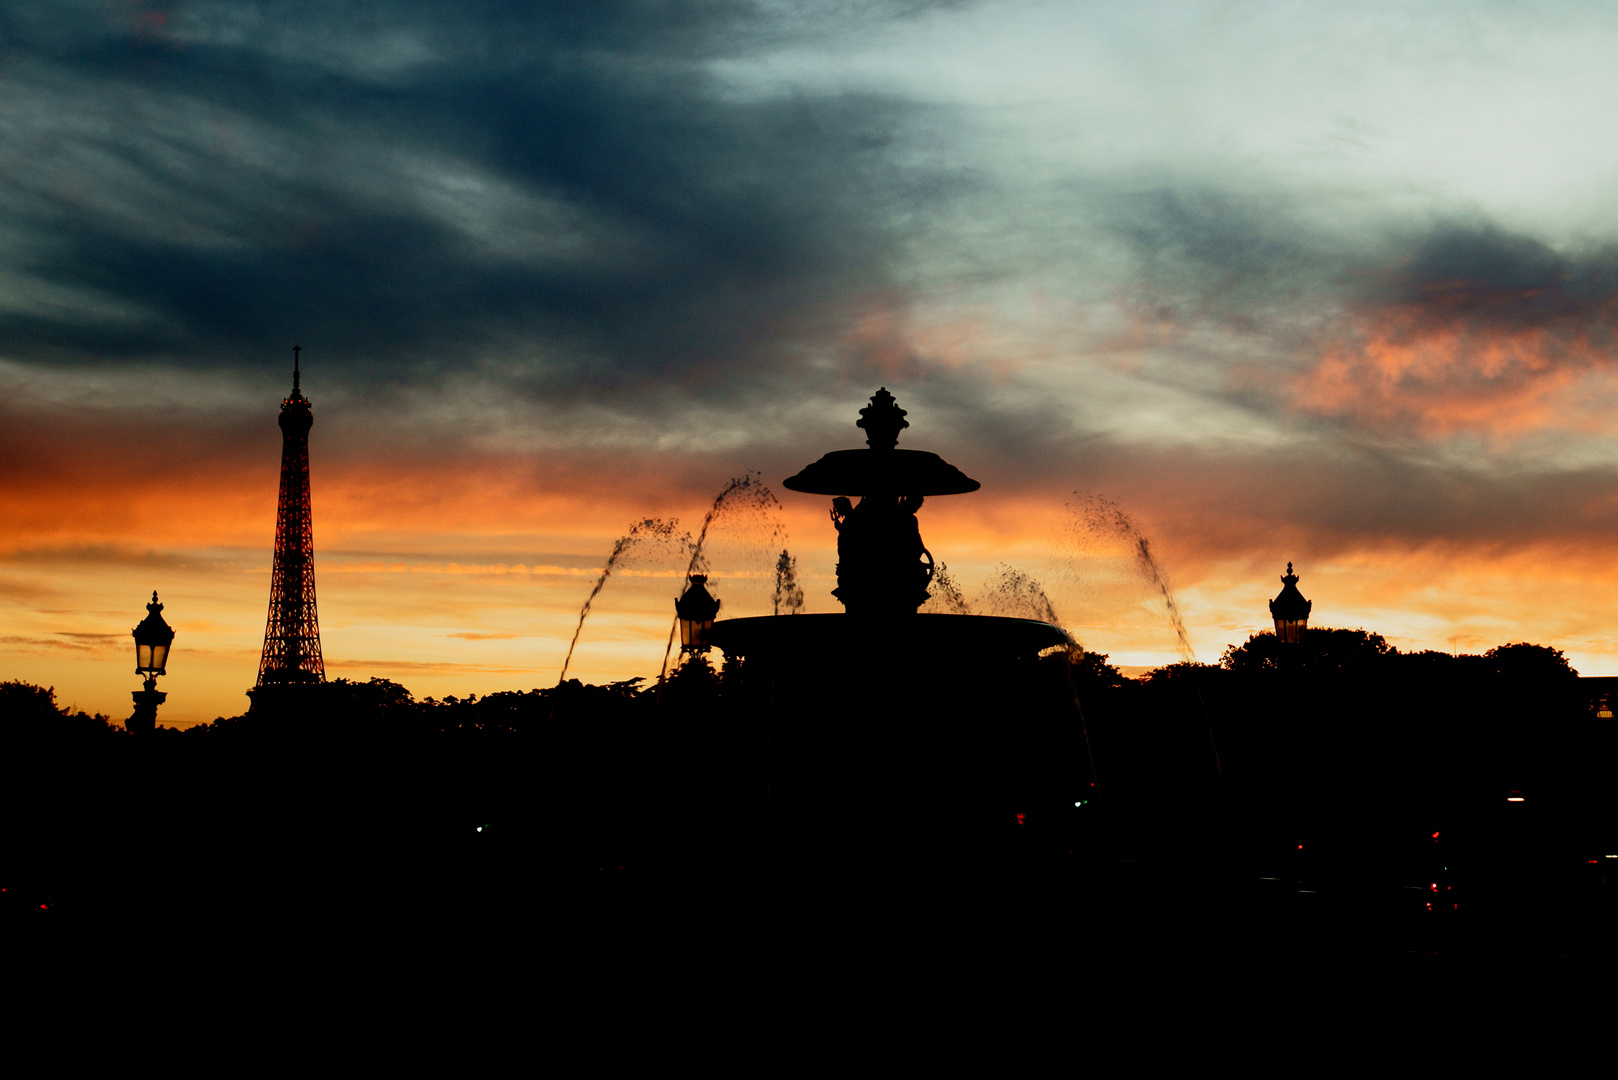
(292, 633)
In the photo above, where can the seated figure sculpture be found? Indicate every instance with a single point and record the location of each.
(883, 568)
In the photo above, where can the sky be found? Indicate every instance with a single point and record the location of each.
(1258, 282)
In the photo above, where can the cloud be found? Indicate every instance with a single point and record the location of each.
(566, 203)
(119, 640)
(1385, 322)
(107, 555)
(74, 644)
(428, 667)
(1477, 330)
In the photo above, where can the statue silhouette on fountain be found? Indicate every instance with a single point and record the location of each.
(882, 565)
(883, 568)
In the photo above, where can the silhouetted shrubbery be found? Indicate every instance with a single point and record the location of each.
(29, 713)
(1341, 723)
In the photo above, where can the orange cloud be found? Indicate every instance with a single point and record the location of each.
(1463, 355)
(1446, 380)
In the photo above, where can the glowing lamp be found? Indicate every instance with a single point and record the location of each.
(1290, 610)
(695, 610)
(152, 640)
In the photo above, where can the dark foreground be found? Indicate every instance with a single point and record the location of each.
(209, 849)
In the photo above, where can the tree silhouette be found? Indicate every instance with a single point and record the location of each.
(1320, 647)
(29, 713)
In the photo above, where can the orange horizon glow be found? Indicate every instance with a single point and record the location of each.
(403, 607)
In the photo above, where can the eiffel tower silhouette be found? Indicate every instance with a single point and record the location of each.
(292, 632)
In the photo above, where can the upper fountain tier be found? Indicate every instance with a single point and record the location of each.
(883, 574)
(882, 468)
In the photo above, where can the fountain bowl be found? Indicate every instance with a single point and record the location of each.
(776, 639)
(885, 743)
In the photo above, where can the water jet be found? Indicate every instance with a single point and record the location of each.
(650, 531)
(745, 496)
(1099, 516)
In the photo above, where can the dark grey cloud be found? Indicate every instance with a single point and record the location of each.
(413, 187)
(1217, 252)
(1486, 275)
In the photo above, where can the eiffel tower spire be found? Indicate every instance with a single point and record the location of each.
(292, 632)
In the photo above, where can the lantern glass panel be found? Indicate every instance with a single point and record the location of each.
(160, 658)
(694, 633)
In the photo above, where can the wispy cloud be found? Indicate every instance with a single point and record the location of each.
(567, 203)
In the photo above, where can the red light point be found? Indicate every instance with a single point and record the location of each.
(1435, 836)
(1021, 819)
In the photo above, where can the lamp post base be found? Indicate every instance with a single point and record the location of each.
(144, 720)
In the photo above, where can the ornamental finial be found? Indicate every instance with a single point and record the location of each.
(882, 420)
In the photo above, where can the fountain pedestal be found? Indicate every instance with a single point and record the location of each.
(888, 745)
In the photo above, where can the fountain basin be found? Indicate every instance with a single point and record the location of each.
(886, 743)
(958, 638)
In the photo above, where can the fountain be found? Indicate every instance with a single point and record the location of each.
(889, 732)
(883, 567)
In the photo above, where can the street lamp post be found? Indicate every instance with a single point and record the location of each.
(152, 640)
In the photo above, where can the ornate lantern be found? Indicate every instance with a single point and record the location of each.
(1290, 610)
(696, 609)
(152, 639)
